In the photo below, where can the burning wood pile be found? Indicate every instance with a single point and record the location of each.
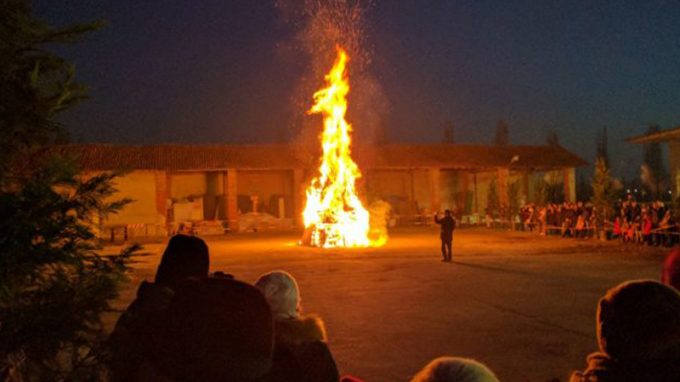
(334, 216)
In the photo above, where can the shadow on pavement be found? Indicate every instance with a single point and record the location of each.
(492, 268)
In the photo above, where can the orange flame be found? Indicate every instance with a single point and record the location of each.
(334, 213)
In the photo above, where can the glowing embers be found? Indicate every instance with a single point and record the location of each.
(334, 215)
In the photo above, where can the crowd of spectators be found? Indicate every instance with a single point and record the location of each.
(190, 325)
(651, 223)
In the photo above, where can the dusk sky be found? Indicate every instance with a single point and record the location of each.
(212, 71)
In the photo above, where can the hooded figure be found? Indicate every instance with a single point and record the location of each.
(185, 257)
(184, 261)
(638, 331)
(301, 353)
(453, 369)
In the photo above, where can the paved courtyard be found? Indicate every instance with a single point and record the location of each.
(523, 304)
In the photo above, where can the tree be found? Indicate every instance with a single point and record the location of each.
(502, 136)
(654, 173)
(54, 284)
(36, 86)
(449, 137)
(605, 191)
(601, 149)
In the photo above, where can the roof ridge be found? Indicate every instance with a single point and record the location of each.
(280, 156)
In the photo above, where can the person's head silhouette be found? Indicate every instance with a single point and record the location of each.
(185, 257)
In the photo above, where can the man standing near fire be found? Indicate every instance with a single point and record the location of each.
(448, 224)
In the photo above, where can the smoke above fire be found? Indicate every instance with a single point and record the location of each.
(319, 26)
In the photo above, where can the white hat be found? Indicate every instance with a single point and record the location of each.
(454, 369)
(281, 291)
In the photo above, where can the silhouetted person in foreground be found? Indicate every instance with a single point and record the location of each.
(448, 224)
(301, 352)
(638, 331)
(217, 331)
(453, 369)
(184, 262)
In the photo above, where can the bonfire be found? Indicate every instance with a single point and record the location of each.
(334, 215)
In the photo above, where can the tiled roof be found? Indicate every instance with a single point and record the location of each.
(182, 157)
(660, 136)
(257, 157)
(469, 156)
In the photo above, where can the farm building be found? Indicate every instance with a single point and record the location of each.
(172, 184)
(672, 138)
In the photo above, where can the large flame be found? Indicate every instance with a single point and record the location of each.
(334, 216)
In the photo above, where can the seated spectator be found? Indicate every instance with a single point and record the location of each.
(671, 269)
(453, 369)
(301, 350)
(217, 330)
(638, 331)
(185, 258)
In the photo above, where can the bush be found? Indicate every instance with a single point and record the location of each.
(54, 284)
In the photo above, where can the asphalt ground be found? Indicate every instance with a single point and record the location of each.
(521, 303)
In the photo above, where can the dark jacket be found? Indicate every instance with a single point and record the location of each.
(602, 368)
(301, 353)
(448, 224)
(133, 339)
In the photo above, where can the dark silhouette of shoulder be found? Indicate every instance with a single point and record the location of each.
(302, 352)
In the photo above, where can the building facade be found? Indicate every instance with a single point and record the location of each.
(672, 138)
(170, 184)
